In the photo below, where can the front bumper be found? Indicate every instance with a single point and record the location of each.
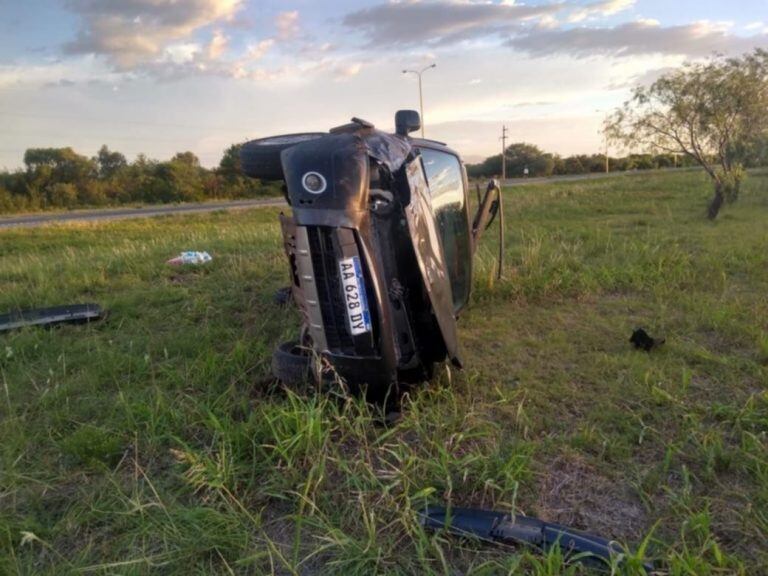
(314, 253)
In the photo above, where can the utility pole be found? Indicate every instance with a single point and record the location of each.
(421, 98)
(503, 153)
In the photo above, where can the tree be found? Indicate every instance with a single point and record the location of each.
(6, 201)
(229, 166)
(521, 156)
(714, 113)
(109, 162)
(62, 195)
(175, 181)
(229, 177)
(47, 167)
(573, 165)
(187, 158)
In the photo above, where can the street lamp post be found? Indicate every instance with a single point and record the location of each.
(421, 98)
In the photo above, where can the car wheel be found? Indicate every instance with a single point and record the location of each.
(292, 364)
(261, 158)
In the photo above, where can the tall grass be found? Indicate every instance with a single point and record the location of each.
(154, 442)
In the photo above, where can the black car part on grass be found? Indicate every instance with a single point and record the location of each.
(641, 340)
(380, 223)
(70, 314)
(499, 527)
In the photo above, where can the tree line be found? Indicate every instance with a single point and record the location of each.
(62, 178)
(521, 155)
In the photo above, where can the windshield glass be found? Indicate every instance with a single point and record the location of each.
(446, 185)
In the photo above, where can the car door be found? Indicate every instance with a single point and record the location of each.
(447, 183)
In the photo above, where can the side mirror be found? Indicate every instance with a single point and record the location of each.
(407, 121)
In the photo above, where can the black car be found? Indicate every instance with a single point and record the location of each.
(380, 248)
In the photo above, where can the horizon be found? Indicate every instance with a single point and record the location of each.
(159, 77)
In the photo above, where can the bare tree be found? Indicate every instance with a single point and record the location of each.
(714, 112)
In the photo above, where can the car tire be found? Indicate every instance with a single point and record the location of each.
(292, 364)
(261, 158)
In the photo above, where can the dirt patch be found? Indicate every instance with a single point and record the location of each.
(575, 494)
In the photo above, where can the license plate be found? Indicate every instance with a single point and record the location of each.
(355, 299)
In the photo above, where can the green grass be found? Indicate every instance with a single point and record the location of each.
(154, 442)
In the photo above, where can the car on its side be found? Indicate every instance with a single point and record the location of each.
(379, 244)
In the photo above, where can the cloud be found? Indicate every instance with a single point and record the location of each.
(287, 25)
(180, 53)
(130, 33)
(532, 104)
(347, 70)
(62, 73)
(218, 45)
(698, 39)
(603, 8)
(257, 51)
(165, 40)
(548, 22)
(412, 22)
(644, 78)
(62, 83)
(757, 27)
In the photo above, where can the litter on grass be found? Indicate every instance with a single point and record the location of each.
(190, 258)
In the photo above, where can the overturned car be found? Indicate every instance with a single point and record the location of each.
(380, 246)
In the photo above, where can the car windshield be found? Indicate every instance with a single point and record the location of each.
(446, 185)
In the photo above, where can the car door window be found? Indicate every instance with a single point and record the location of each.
(445, 177)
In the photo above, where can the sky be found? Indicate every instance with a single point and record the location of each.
(162, 76)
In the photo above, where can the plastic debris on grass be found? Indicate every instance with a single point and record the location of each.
(190, 257)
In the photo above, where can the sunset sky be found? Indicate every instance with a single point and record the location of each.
(160, 76)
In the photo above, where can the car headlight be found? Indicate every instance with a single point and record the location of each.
(314, 183)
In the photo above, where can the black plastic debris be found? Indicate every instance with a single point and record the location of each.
(641, 340)
(282, 296)
(70, 314)
(502, 528)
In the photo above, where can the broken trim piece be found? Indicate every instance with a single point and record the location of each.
(503, 528)
(70, 314)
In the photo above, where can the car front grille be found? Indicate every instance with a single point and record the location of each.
(324, 255)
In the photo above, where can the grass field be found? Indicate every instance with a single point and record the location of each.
(154, 442)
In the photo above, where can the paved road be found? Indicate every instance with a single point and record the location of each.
(31, 220)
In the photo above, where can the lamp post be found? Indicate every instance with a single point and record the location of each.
(421, 99)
